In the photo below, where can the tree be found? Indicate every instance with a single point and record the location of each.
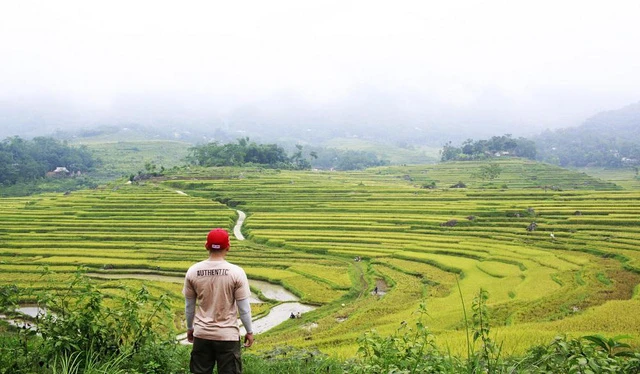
(490, 171)
(482, 149)
(243, 152)
(467, 147)
(449, 152)
(298, 161)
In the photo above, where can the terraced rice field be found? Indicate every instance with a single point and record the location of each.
(577, 272)
(582, 255)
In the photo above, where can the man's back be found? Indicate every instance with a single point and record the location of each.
(217, 285)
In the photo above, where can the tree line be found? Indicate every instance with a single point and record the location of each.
(579, 147)
(246, 152)
(497, 146)
(573, 147)
(29, 160)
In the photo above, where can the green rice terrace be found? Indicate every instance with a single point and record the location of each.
(557, 251)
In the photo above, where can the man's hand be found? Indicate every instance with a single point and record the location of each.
(248, 340)
(190, 336)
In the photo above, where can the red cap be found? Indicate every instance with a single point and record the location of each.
(217, 239)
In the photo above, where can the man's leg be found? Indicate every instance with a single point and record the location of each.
(228, 357)
(203, 356)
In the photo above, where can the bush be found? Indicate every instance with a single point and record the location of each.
(408, 350)
(79, 332)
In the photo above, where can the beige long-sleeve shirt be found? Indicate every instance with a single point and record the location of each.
(216, 285)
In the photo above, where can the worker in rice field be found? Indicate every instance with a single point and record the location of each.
(220, 290)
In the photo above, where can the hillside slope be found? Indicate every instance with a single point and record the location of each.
(609, 139)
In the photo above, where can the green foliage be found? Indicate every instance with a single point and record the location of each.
(483, 149)
(408, 350)
(612, 346)
(430, 186)
(488, 357)
(490, 171)
(39, 186)
(80, 333)
(340, 159)
(28, 160)
(92, 364)
(9, 298)
(80, 322)
(244, 152)
(298, 161)
(591, 354)
(609, 139)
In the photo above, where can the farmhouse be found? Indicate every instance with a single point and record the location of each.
(59, 172)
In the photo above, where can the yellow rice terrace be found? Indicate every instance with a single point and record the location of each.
(557, 251)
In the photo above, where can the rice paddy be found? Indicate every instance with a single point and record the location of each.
(558, 251)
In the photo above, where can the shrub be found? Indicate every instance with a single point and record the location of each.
(79, 332)
(408, 350)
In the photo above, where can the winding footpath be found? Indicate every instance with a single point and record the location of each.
(237, 229)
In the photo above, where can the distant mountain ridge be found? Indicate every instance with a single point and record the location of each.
(608, 139)
(624, 121)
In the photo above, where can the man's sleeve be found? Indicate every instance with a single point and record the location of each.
(242, 291)
(245, 314)
(189, 301)
(189, 311)
(187, 290)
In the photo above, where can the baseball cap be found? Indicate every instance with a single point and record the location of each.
(217, 239)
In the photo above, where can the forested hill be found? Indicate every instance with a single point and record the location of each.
(610, 139)
(29, 160)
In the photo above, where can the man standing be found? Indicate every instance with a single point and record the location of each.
(221, 290)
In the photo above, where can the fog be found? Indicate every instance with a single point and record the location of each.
(454, 69)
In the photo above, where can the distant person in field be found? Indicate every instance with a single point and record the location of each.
(221, 290)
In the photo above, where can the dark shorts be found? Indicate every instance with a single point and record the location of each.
(208, 353)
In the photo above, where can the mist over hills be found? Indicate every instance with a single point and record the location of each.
(378, 118)
(369, 113)
(610, 138)
(625, 122)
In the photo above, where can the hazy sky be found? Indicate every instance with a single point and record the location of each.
(548, 63)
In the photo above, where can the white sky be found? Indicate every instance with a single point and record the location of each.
(552, 60)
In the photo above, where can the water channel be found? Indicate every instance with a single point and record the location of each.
(32, 311)
(278, 314)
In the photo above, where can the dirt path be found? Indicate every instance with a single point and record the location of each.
(237, 229)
